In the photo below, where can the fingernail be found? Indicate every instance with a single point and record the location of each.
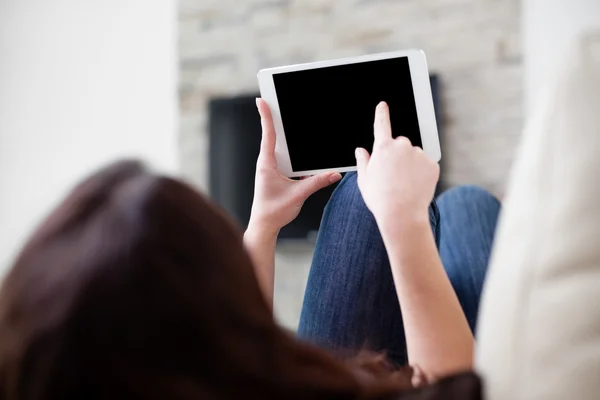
(357, 153)
(381, 104)
(334, 177)
(257, 101)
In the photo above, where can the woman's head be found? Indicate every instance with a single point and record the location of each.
(137, 285)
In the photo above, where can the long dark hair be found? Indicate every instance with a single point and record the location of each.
(137, 287)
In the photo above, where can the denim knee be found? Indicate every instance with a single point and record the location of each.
(347, 198)
(347, 189)
(470, 194)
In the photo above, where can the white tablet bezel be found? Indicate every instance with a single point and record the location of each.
(422, 93)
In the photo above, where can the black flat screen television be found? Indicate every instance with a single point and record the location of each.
(234, 135)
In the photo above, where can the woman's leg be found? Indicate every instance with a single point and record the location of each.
(468, 216)
(350, 299)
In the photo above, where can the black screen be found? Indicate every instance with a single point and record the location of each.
(328, 112)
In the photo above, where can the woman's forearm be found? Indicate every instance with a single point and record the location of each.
(260, 244)
(277, 202)
(438, 336)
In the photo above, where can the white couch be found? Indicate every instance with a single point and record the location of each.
(539, 328)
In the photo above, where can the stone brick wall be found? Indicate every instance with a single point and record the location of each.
(473, 44)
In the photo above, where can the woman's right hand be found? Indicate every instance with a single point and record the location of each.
(397, 180)
(398, 183)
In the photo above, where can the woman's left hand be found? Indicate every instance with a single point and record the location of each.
(278, 199)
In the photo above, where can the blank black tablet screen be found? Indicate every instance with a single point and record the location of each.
(328, 112)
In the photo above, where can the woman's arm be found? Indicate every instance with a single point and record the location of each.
(398, 183)
(260, 244)
(277, 202)
(438, 336)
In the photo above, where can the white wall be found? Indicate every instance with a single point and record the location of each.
(548, 27)
(81, 84)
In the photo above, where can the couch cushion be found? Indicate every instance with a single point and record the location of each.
(539, 328)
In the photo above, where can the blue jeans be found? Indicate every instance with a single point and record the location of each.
(350, 301)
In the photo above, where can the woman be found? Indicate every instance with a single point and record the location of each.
(136, 287)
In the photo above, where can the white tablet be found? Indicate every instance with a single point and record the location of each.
(323, 111)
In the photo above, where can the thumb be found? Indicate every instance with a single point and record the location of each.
(317, 182)
(362, 159)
